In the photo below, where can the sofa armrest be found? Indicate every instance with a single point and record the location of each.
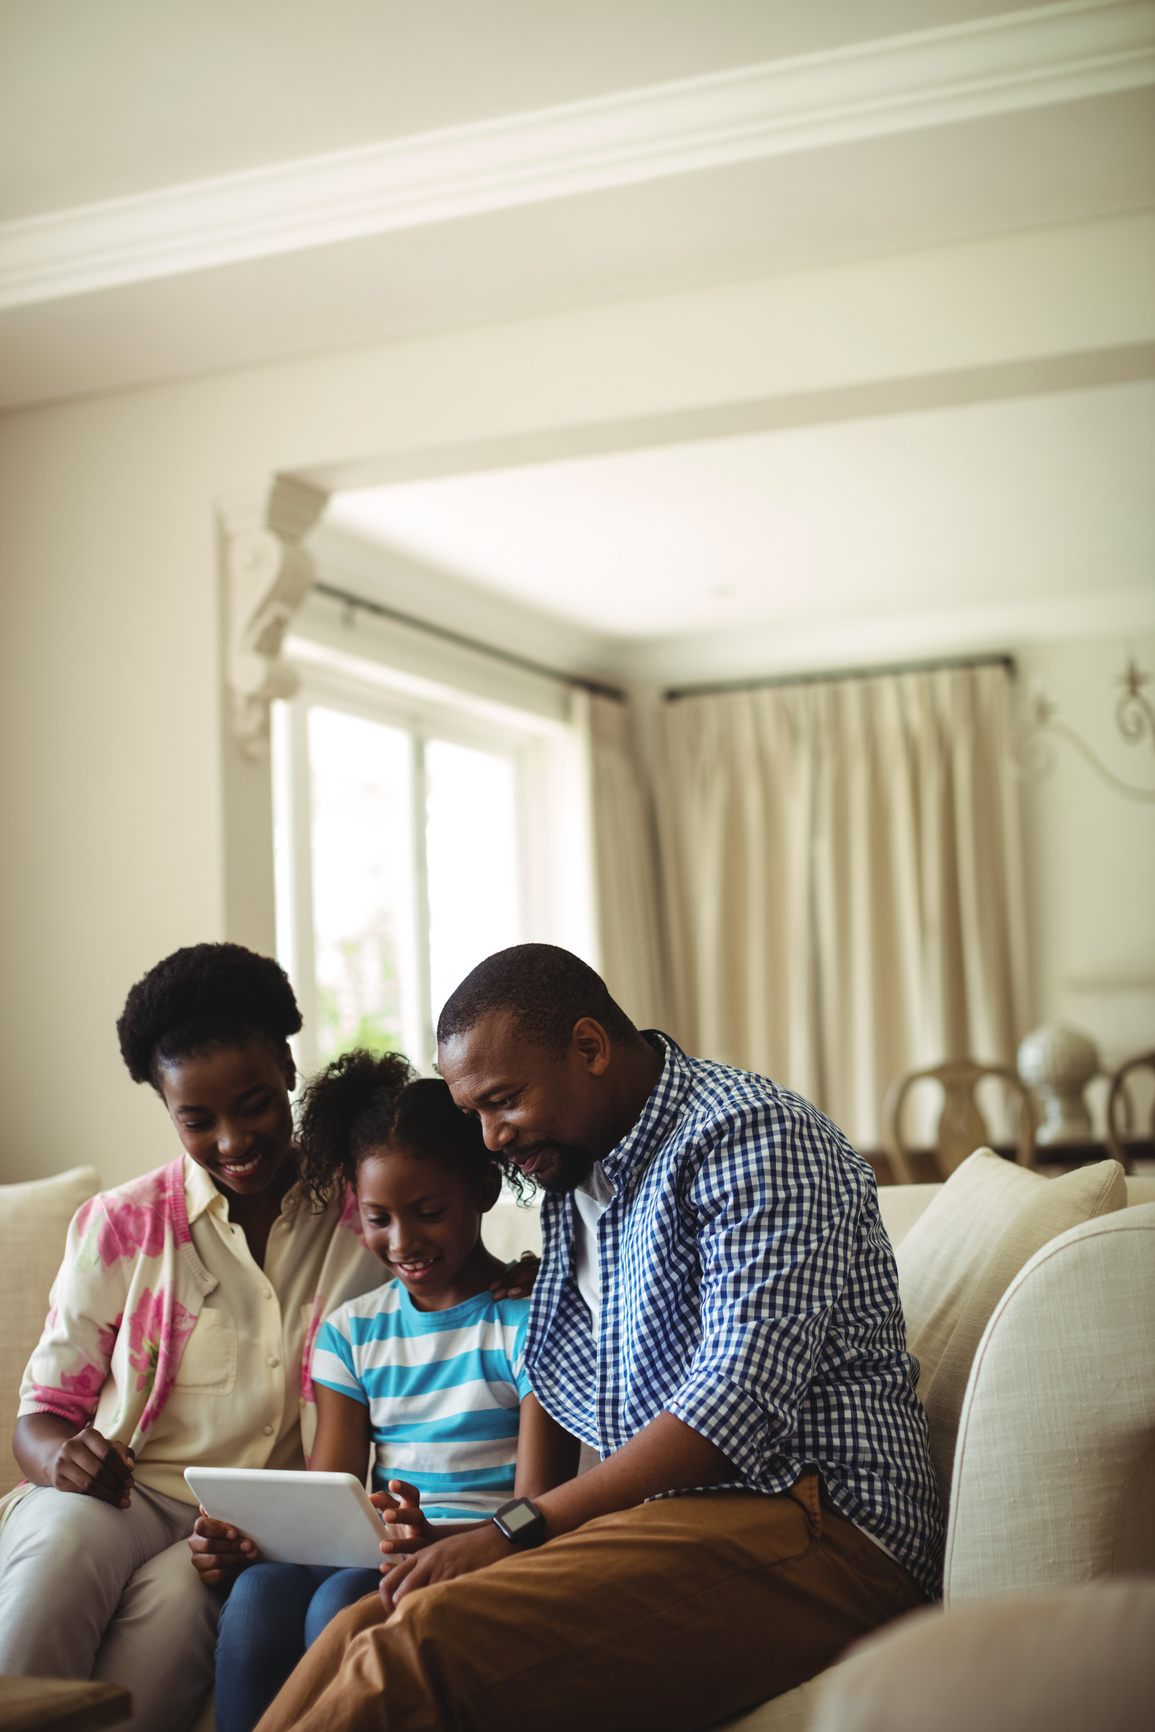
(34, 1221)
(1054, 1471)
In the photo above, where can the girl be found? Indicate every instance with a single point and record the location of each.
(180, 1330)
(429, 1368)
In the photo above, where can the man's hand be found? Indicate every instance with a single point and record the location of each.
(219, 1552)
(458, 1555)
(516, 1282)
(409, 1530)
(93, 1466)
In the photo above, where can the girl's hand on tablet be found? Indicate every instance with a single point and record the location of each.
(516, 1281)
(409, 1531)
(219, 1552)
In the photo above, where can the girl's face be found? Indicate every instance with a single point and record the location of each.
(422, 1219)
(230, 1106)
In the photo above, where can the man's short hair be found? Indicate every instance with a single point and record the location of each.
(545, 989)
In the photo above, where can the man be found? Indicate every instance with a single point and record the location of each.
(717, 1312)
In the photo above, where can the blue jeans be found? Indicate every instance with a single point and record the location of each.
(273, 1613)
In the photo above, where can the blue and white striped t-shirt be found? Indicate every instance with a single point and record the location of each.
(443, 1389)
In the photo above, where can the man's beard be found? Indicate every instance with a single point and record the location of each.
(573, 1166)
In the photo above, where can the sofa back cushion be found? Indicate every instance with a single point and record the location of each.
(901, 1205)
(961, 1254)
(1054, 1473)
(33, 1226)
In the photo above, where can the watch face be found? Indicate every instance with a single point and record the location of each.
(520, 1517)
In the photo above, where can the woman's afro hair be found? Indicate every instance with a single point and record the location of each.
(367, 1101)
(206, 995)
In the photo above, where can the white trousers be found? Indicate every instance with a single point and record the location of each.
(91, 1591)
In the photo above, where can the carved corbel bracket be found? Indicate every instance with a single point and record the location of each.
(267, 575)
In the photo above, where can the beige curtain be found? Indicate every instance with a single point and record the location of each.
(842, 879)
(624, 867)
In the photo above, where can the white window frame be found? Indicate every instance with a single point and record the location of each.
(553, 846)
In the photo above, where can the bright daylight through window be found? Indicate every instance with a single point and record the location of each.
(412, 840)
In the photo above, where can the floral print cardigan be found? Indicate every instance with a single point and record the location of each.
(126, 1300)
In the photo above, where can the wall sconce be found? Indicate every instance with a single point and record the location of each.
(1034, 757)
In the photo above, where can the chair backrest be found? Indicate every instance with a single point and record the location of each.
(1054, 1467)
(1118, 1105)
(961, 1126)
(33, 1226)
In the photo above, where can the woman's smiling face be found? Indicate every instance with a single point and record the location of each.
(230, 1106)
(422, 1218)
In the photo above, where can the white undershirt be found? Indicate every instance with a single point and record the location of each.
(591, 1200)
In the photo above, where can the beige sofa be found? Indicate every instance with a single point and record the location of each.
(1031, 1305)
(33, 1223)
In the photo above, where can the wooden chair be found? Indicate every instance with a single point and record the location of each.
(961, 1126)
(1119, 1106)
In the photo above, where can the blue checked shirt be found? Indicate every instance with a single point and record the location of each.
(749, 1288)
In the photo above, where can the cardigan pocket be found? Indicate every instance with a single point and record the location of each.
(208, 1363)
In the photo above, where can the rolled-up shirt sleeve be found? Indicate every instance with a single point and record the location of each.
(774, 1245)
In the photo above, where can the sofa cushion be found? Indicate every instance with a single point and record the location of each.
(902, 1205)
(793, 1712)
(962, 1253)
(1058, 1662)
(33, 1226)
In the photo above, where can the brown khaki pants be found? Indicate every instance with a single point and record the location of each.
(669, 1616)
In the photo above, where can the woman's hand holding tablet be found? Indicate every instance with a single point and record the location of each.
(219, 1552)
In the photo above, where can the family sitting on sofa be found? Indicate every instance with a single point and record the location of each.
(716, 1313)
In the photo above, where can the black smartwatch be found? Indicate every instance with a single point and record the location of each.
(521, 1522)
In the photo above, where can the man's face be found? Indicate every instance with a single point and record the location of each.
(535, 1109)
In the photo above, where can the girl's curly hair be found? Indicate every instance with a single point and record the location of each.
(365, 1101)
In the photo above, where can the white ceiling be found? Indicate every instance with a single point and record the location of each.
(1045, 499)
(137, 103)
(208, 123)
(102, 100)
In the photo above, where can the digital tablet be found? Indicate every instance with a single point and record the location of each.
(294, 1517)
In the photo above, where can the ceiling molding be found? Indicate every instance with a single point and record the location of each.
(1047, 55)
(862, 400)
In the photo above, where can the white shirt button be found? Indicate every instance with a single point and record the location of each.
(272, 1360)
(268, 1431)
(266, 1292)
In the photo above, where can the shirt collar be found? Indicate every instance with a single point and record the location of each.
(650, 1127)
(201, 1196)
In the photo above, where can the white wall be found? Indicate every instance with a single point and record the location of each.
(1090, 853)
(110, 779)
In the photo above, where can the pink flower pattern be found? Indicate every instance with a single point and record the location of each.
(114, 1228)
(126, 1301)
(316, 1318)
(350, 1217)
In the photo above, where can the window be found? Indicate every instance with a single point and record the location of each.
(417, 830)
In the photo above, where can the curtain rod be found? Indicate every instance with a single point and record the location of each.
(753, 685)
(597, 687)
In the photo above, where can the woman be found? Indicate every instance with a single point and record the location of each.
(180, 1332)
